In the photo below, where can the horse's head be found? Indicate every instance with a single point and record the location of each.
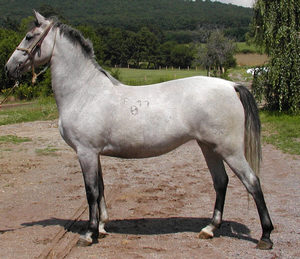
(34, 50)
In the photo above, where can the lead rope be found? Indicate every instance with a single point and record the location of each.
(16, 85)
(34, 75)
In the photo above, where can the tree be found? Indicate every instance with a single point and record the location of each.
(146, 47)
(8, 42)
(217, 53)
(182, 55)
(10, 23)
(165, 53)
(48, 11)
(117, 47)
(276, 29)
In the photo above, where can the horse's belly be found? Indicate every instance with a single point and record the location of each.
(140, 149)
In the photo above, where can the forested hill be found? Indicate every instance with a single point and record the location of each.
(167, 15)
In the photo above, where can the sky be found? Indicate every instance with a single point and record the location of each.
(245, 3)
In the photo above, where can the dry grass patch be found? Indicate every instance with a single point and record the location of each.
(251, 59)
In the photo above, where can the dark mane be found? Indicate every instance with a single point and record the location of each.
(75, 37)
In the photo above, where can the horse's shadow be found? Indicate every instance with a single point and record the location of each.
(153, 226)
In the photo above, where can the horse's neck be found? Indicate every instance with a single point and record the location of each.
(69, 63)
(71, 71)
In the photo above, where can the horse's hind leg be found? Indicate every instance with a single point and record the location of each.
(241, 168)
(220, 179)
(91, 169)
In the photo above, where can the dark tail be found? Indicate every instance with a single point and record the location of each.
(252, 142)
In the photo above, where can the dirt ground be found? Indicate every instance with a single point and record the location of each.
(156, 206)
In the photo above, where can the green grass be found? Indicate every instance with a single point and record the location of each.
(48, 151)
(151, 76)
(282, 131)
(244, 48)
(13, 139)
(42, 109)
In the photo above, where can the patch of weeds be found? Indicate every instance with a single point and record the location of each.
(9, 185)
(14, 139)
(42, 109)
(48, 151)
(281, 130)
(22, 149)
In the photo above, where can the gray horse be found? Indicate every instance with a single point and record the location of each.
(98, 115)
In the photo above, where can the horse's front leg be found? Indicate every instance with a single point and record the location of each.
(102, 204)
(94, 187)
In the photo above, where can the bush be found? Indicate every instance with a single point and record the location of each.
(22, 92)
(29, 91)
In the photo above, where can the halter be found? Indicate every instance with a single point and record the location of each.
(31, 51)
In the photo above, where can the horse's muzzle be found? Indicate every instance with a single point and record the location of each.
(13, 73)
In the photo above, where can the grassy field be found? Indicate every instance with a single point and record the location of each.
(145, 77)
(282, 131)
(41, 109)
(151, 76)
(250, 56)
(243, 47)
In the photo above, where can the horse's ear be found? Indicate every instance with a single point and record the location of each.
(40, 19)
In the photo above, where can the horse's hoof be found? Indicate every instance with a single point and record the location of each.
(102, 234)
(264, 245)
(83, 242)
(204, 235)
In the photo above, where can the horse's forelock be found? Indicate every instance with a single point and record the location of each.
(32, 25)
